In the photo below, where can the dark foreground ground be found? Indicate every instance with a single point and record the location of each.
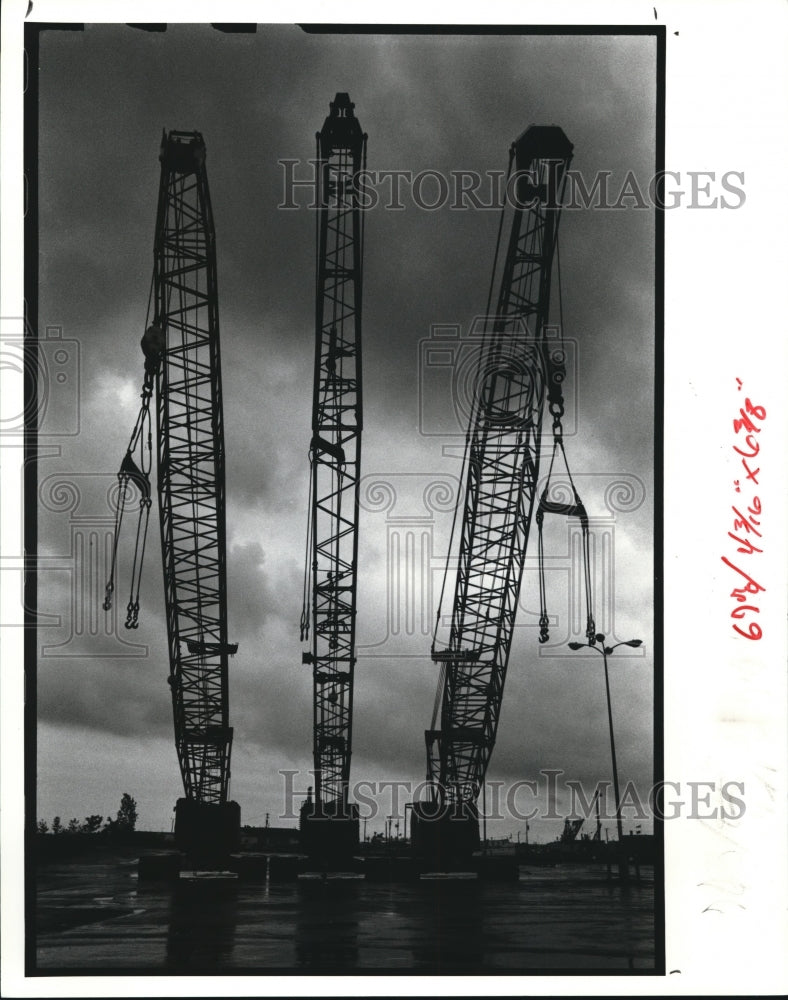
(92, 915)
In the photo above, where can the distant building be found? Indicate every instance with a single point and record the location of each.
(270, 838)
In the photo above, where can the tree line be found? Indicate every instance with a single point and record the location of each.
(124, 822)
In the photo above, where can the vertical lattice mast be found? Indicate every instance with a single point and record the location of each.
(335, 450)
(191, 469)
(501, 476)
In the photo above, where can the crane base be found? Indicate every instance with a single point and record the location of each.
(207, 832)
(329, 838)
(444, 838)
(162, 866)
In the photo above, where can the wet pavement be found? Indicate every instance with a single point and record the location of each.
(92, 915)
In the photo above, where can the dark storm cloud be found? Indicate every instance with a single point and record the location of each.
(427, 103)
(84, 688)
(439, 118)
(101, 696)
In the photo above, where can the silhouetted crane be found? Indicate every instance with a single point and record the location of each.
(334, 453)
(183, 373)
(519, 373)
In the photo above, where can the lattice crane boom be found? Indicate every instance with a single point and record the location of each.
(191, 469)
(335, 453)
(183, 376)
(501, 476)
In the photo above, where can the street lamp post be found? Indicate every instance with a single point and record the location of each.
(607, 651)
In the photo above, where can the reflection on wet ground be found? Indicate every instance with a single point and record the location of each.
(94, 916)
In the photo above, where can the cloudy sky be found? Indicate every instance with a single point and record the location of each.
(427, 103)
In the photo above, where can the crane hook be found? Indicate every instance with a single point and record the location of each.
(132, 614)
